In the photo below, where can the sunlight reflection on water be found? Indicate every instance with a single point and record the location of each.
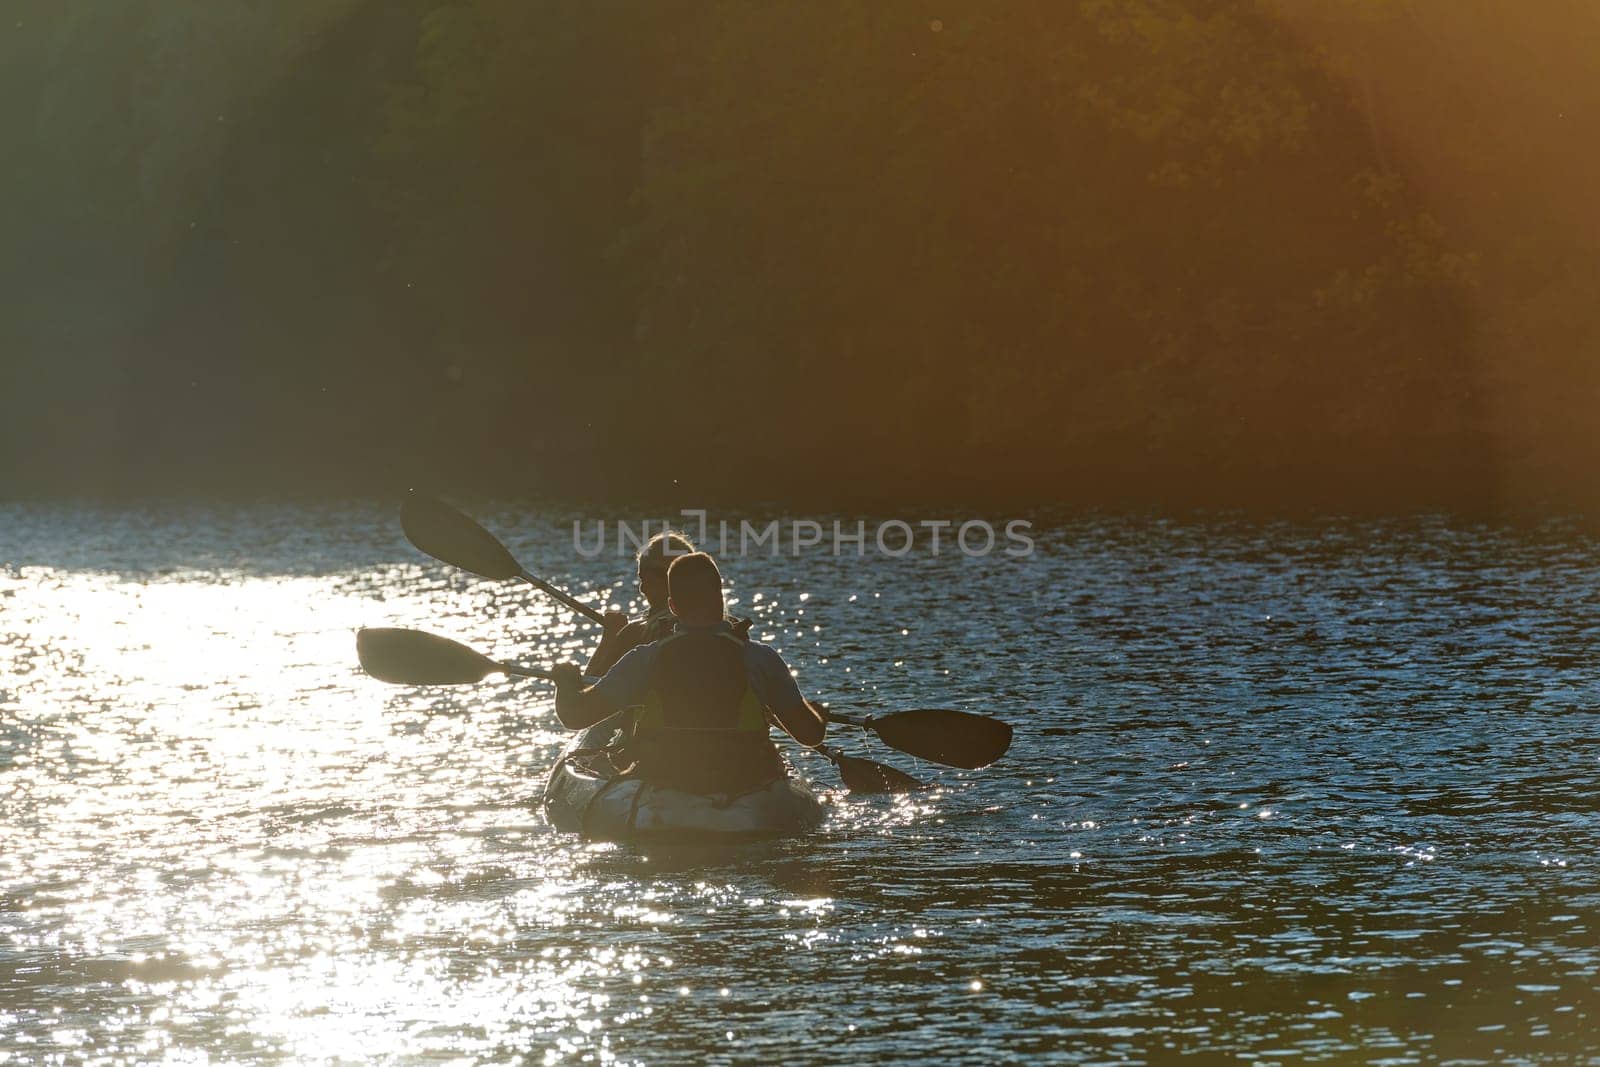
(1305, 790)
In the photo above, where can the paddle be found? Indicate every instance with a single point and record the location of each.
(414, 657)
(938, 735)
(451, 537)
(866, 776)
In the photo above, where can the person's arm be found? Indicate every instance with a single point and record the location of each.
(799, 718)
(618, 638)
(805, 722)
(580, 707)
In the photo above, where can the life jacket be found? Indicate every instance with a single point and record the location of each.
(702, 727)
(658, 624)
(663, 623)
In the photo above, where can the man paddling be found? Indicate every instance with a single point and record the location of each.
(705, 696)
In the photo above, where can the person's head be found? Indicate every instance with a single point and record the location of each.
(654, 559)
(694, 586)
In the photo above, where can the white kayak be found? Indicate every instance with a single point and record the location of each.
(586, 794)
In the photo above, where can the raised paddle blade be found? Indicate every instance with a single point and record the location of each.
(942, 735)
(411, 657)
(865, 776)
(447, 535)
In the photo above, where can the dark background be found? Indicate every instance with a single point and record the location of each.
(1194, 252)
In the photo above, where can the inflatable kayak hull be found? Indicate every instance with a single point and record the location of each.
(586, 795)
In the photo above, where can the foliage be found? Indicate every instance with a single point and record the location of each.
(1123, 249)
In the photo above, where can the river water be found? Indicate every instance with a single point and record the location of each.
(1279, 793)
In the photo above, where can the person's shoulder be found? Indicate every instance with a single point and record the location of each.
(657, 628)
(765, 655)
(643, 650)
(636, 658)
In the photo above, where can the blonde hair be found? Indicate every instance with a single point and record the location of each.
(659, 552)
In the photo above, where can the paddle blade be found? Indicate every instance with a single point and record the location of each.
(411, 657)
(942, 735)
(865, 776)
(447, 535)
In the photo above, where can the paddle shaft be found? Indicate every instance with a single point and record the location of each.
(524, 672)
(535, 672)
(545, 587)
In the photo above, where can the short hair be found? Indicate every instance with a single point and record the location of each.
(659, 552)
(695, 584)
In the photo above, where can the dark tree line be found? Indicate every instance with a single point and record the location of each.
(1105, 251)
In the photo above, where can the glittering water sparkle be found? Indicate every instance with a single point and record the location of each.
(1321, 792)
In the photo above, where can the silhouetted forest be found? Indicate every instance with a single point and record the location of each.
(1099, 251)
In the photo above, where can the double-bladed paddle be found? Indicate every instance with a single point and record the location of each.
(414, 657)
(938, 735)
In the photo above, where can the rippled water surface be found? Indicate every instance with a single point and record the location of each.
(1289, 793)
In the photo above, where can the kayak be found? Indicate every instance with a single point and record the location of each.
(587, 794)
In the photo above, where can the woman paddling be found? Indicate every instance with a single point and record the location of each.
(621, 636)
